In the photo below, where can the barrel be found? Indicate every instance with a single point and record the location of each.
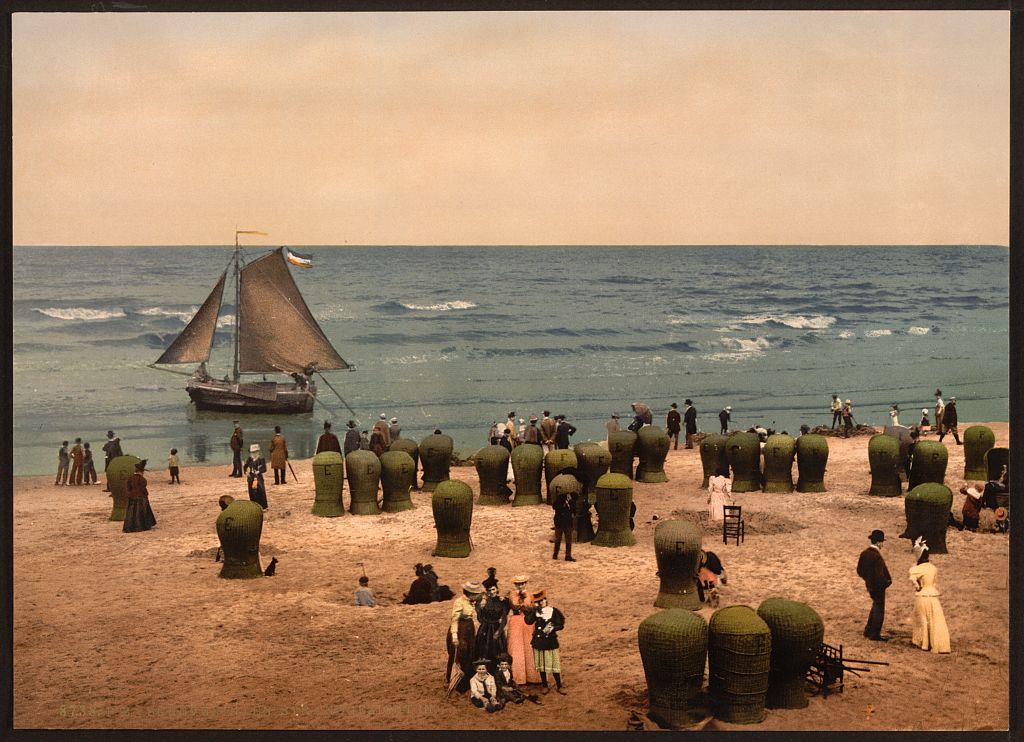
(677, 551)
(436, 459)
(593, 461)
(743, 452)
(239, 527)
(363, 469)
(811, 460)
(614, 496)
(554, 462)
(673, 649)
(622, 446)
(712, 457)
(409, 446)
(452, 503)
(739, 663)
(927, 511)
(928, 463)
(329, 480)
(797, 632)
(652, 444)
(779, 451)
(492, 468)
(397, 478)
(119, 470)
(978, 440)
(883, 458)
(527, 465)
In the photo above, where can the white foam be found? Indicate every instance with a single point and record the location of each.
(445, 307)
(746, 345)
(846, 334)
(226, 320)
(796, 321)
(80, 313)
(918, 330)
(877, 333)
(161, 312)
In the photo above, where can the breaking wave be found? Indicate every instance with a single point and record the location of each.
(81, 314)
(447, 306)
(796, 321)
(919, 330)
(877, 333)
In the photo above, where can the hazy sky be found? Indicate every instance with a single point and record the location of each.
(512, 128)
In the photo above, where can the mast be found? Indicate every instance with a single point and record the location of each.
(238, 300)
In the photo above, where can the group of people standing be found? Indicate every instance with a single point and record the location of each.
(255, 466)
(76, 466)
(549, 432)
(675, 423)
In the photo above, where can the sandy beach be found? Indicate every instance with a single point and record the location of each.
(139, 631)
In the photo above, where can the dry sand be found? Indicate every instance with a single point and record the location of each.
(137, 630)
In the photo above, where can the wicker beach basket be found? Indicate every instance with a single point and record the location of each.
(527, 467)
(811, 461)
(593, 461)
(743, 452)
(554, 462)
(673, 649)
(677, 552)
(410, 447)
(713, 458)
(436, 459)
(239, 527)
(797, 632)
(884, 459)
(329, 480)
(397, 478)
(492, 469)
(928, 464)
(927, 510)
(119, 470)
(622, 446)
(614, 496)
(739, 663)
(978, 440)
(363, 470)
(778, 452)
(452, 503)
(652, 444)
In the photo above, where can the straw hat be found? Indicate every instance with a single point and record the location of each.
(1001, 513)
(539, 595)
(473, 587)
(520, 579)
(254, 448)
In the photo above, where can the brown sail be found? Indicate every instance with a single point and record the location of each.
(277, 332)
(193, 344)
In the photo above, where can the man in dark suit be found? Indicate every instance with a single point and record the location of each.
(562, 432)
(690, 422)
(871, 568)
(328, 441)
(237, 441)
(353, 442)
(672, 425)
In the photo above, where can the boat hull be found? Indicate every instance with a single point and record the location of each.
(268, 397)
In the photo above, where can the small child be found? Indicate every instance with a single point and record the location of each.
(925, 422)
(88, 467)
(507, 690)
(482, 691)
(364, 595)
(172, 466)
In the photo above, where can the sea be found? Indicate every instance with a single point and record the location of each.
(455, 338)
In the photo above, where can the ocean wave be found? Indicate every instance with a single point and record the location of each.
(919, 330)
(796, 321)
(81, 314)
(750, 346)
(877, 333)
(846, 334)
(161, 312)
(447, 306)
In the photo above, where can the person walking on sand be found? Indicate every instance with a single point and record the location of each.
(63, 460)
(871, 568)
(138, 515)
(837, 410)
(940, 408)
(547, 432)
(519, 634)
(673, 425)
(279, 456)
(352, 439)
(111, 450)
(77, 457)
(547, 621)
(690, 422)
(172, 466)
(255, 466)
(88, 465)
(719, 495)
(949, 421)
(847, 418)
(930, 631)
(237, 441)
(328, 441)
(724, 417)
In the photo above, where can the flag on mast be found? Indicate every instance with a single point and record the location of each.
(300, 259)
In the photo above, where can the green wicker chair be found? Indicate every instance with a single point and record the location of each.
(452, 503)
(811, 461)
(928, 463)
(239, 527)
(329, 479)
(677, 552)
(739, 663)
(436, 459)
(363, 469)
(397, 478)
(779, 451)
(652, 444)
(593, 461)
(743, 452)
(927, 510)
(119, 470)
(884, 459)
(797, 632)
(527, 467)
(978, 440)
(614, 496)
(492, 469)
(410, 447)
(713, 458)
(622, 446)
(554, 462)
(673, 649)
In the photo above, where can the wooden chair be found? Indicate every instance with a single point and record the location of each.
(732, 525)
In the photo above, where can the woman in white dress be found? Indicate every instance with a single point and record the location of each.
(719, 495)
(930, 630)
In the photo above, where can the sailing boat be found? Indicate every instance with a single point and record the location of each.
(273, 332)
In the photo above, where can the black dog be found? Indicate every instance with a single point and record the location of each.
(271, 568)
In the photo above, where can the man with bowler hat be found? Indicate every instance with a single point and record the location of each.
(871, 568)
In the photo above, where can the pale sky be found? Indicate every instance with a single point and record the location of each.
(512, 128)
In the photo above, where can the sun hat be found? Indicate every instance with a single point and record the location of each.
(539, 595)
(383, 416)
(473, 587)
(1000, 513)
(394, 419)
(520, 579)
(254, 447)
(924, 410)
(728, 407)
(533, 418)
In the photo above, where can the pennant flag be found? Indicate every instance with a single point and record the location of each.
(299, 259)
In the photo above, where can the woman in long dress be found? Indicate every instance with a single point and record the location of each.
(719, 495)
(930, 630)
(138, 515)
(461, 636)
(491, 613)
(519, 634)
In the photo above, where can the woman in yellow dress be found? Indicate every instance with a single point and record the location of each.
(930, 630)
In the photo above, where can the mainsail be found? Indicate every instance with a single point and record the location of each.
(193, 344)
(277, 332)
